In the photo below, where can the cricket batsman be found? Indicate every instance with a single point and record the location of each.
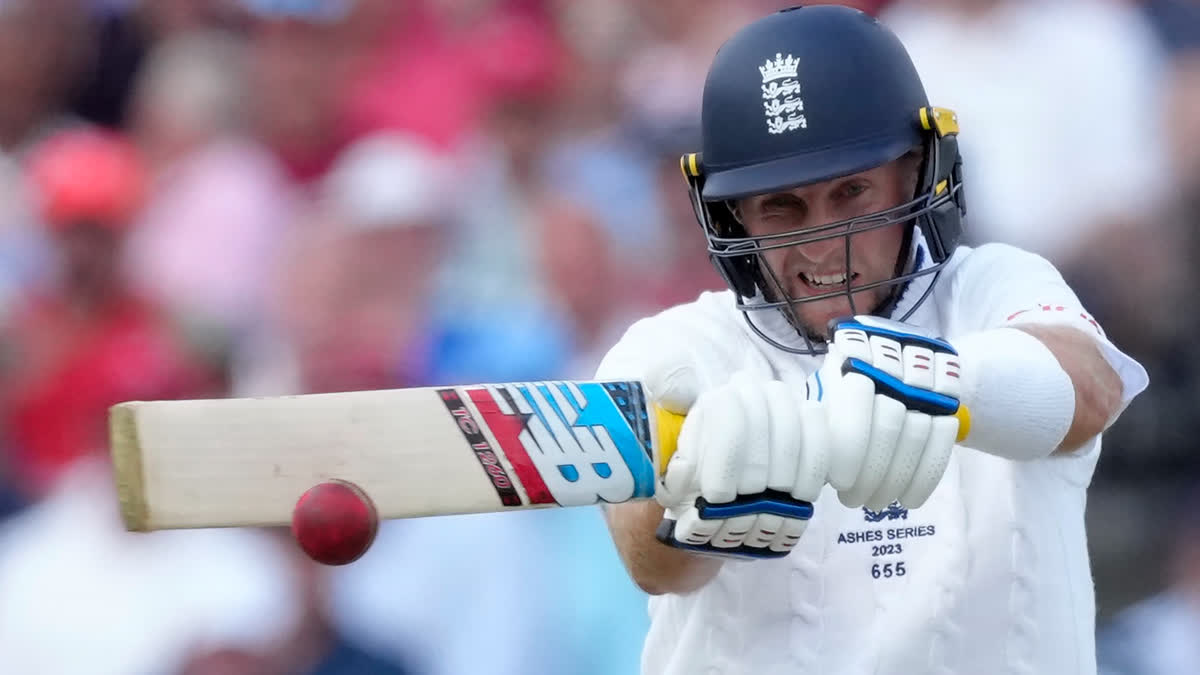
(889, 434)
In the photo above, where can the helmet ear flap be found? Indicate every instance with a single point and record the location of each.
(943, 224)
(946, 218)
(740, 272)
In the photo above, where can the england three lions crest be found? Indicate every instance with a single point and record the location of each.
(782, 105)
(893, 511)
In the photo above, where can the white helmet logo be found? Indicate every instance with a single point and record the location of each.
(782, 104)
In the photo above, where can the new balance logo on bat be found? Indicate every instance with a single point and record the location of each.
(571, 444)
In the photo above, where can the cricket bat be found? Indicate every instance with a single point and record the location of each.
(416, 452)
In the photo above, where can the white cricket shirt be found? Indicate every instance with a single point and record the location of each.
(990, 576)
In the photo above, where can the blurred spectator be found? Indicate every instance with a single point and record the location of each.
(23, 247)
(594, 289)
(353, 303)
(600, 169)
(505, 594)
(1152, 310)
(1183, 122)
(683, 270)
(1157, 636)
(635, 88)
(663, 80)
(461, 594)
(83, 597)
(85, 340)
(44, 48)
(1061, 108)
(219, 206)
(1177, 23)
(313, 643)
(492, 250)
(297, 73)
(433, 67)
(124, 32)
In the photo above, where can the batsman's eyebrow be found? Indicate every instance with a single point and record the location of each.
(758, 205)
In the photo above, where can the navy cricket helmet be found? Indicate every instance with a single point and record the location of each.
(810, 94)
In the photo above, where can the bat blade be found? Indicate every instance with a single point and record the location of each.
(417, 452)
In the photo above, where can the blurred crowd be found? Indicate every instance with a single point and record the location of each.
(254, 197)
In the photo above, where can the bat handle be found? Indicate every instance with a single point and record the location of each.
(667, 425)
(964, 422)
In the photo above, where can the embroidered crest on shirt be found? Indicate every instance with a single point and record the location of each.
(893, 511)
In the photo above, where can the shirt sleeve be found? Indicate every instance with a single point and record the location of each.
(1001, 285)
(701, 333)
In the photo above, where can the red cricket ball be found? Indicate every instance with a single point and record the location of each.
(335, 522)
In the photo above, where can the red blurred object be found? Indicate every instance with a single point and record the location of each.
(87, 175)
(440, 82)
(70, 368)
(335, 522)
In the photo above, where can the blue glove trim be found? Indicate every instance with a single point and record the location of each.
(913, 398)
(768, 501)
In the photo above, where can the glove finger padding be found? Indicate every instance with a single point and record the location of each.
(674, 385)
(910, 447)
(733, 531)
(885, 355)
(887, 421)
(849, 410)
(934, 460)
(721, 442)
(812, 465)
(691, 529)
(946, 379)
(789, 535)
(764, 530)
(786, 423)
(756, 441)
(918, 367)
(849, 343)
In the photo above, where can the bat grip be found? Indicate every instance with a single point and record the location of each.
(964, 422)
(667, 425)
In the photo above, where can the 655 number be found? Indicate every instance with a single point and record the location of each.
(888, 570)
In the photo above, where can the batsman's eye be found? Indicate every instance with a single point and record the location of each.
(852, 189)
(775, 209)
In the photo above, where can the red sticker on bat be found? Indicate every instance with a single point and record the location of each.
(507, 429)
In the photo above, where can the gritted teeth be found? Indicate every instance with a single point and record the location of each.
(835, 279)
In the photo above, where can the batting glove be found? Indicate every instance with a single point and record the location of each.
(890, 397)
(751, 458)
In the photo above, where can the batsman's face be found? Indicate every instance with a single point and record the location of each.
(817, 268)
